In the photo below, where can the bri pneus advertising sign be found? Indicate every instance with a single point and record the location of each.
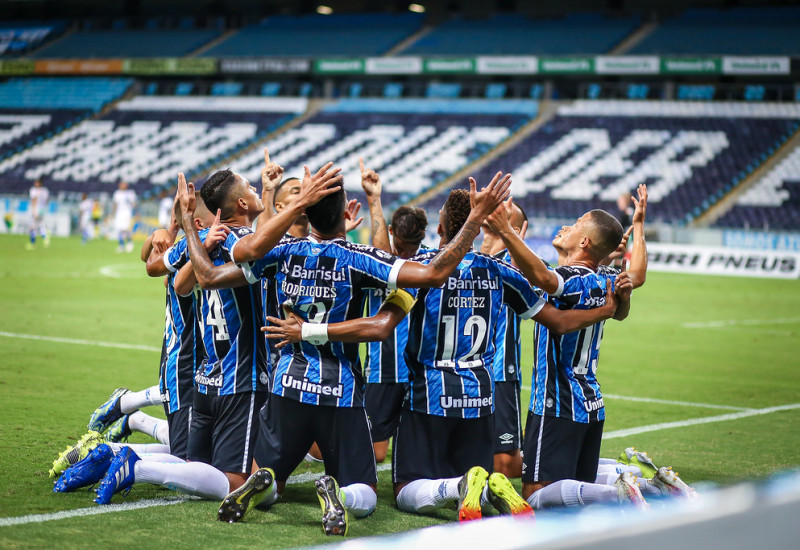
(711, 260)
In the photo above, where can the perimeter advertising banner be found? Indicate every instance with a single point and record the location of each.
(170, 65)
(709, 260)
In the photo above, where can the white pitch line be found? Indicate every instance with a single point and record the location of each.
(742, 322)
(82, 512)
(150, 503)
(667, 401)
(671, 402)
(695, 421)
(79, 342)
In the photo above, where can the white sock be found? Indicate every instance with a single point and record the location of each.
(647, 487)
(618, 469)
(606, 478)
(607, 461)
(312, 459)
(133, 401)
(360, 499)
(161, 457)
(154, 427)
(426, 495)
(270, 498)
(141, 448)
(193, 478)
(569, 492)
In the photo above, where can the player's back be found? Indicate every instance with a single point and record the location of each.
(324, 282)
(385, 361)
(184, 350)
(235, 353)
(450, 348)
(565, 366)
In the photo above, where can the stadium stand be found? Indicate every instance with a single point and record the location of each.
(19, 38)
(517, 35)
(773, 203)
(315, 35)
(413, 144)
(146, 141)
(689, 154)
(735, 31)
(34, 110)
(127, 43)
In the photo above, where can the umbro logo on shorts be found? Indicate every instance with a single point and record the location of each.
(506, 438)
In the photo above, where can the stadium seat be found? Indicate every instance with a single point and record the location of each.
(392, 90)
(145, 140)
(270, 89)
(688, 153)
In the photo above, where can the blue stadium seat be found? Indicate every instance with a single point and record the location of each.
(226, 88)
(443, 90)
(184, 88)
(318, 35)
(577, 33)
(270, 89)
(496, 90)
(393, 90)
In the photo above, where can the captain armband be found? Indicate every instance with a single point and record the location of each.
(315, 333)
(401, 298)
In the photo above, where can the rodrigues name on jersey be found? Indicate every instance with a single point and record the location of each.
(324, 282)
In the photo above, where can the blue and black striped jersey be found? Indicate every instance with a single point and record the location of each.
(236, 360)
(183, 348)
(451, 346)
(507, 340)
(565, 366)
(385, 361)
(326, 282)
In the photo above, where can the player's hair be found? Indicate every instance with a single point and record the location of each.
(521, 211)
(327, 214)
(216, 192)
(456, 210)
(280, 187)
(409, 223)
(201, 206)
(608, 232)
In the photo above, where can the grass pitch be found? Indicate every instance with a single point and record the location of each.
(694, 347)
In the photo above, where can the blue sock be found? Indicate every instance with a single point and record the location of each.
(33, 237)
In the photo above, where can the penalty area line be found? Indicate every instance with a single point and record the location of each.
(696, 421)
(79, 342)
(138, 505)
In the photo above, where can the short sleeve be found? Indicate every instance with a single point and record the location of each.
(518, 293)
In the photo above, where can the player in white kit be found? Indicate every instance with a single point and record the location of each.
(39, 196)
(124, 200)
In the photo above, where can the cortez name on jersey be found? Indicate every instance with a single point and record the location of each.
(450, 346)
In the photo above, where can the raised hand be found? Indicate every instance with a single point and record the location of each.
(640, 206)
(623, 284)
(271, 174)
(499, 221)
(486, 201)
(314, 188)
(370, 180)
(350, 215)
(217, 233)
(623, 245)
(186, 198)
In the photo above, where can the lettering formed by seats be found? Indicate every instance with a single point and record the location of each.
(580, 165)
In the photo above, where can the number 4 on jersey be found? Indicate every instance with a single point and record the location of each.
(216, 316)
